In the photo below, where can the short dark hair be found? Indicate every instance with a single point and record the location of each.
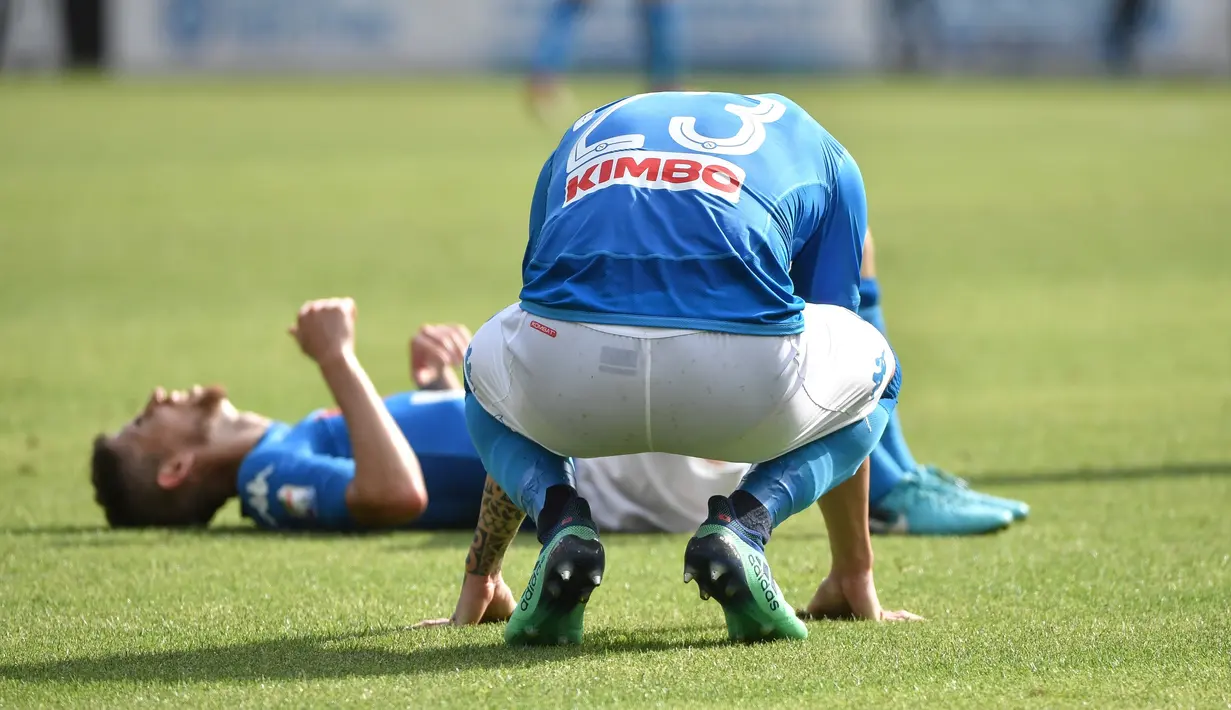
(131, 497)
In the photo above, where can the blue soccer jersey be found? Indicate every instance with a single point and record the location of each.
(296, 477)
(708, 211)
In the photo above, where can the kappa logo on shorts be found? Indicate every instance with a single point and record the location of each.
(542, 328)
(657, 170)
(879, 375)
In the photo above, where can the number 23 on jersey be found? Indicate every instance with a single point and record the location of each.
(621, 160)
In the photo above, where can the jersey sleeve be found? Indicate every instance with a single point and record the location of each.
(826, 270)
(538, 208)
(299, 490)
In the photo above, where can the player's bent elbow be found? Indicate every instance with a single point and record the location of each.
(387, 507)
(409, 506)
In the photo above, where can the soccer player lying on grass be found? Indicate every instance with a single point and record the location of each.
(689, 287)
(374, 464)
(187, 453)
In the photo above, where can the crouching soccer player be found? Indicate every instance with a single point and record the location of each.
(689, 287)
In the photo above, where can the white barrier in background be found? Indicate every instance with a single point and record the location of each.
(1189, 36)
(32, 36)
(394, 35)
(147, 36)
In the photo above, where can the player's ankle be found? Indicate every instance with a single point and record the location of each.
(752, 515)
(561, 503)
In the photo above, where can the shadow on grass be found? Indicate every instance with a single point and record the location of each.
(1108, 474)
(242, 530)
(339, 656)
(19, 530)
(461, 537)
(407, 539)
(89, 534)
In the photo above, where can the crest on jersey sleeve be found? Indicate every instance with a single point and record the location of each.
(298, 501)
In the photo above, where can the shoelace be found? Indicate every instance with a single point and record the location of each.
(943, 477)
(917, 491)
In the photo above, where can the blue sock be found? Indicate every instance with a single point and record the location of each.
(893, 443)
(523, 469)
(556, 42)
(795, 480)
(662, 41)
(885, 474)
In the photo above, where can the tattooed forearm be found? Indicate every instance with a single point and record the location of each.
(499, 520)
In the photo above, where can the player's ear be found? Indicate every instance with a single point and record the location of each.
(174, 471)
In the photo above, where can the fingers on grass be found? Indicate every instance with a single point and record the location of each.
(826, 615)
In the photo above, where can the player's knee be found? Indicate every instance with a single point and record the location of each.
(850, 446)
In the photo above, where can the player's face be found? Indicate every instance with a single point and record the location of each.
(173, 421)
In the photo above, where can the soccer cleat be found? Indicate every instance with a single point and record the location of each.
(731, 569)
(936, 476)
(569, 567)
(914, 507)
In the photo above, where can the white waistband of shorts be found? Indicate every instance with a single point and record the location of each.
(639, 331)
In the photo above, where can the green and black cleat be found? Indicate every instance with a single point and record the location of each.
(728, 567)
(570, 565)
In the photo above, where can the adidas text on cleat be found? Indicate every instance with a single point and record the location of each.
(735, 574)
(552, 608)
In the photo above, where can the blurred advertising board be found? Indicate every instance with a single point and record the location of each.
(473, 35)
(1062, 36)
(350, 36)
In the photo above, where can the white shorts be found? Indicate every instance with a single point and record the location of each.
(588, 390)
(653, 492)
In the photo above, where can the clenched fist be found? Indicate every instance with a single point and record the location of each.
(325, 328)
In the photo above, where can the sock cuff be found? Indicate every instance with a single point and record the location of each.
(560, 503)
(752, 515)
(869, 293)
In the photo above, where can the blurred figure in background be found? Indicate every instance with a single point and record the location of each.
(660, 20)
(911, 33)
(5, 8)
(1124, 25)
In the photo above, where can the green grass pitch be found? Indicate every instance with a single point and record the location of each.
(1057, 275)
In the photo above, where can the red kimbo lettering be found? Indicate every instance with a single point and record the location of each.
(657, 170)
